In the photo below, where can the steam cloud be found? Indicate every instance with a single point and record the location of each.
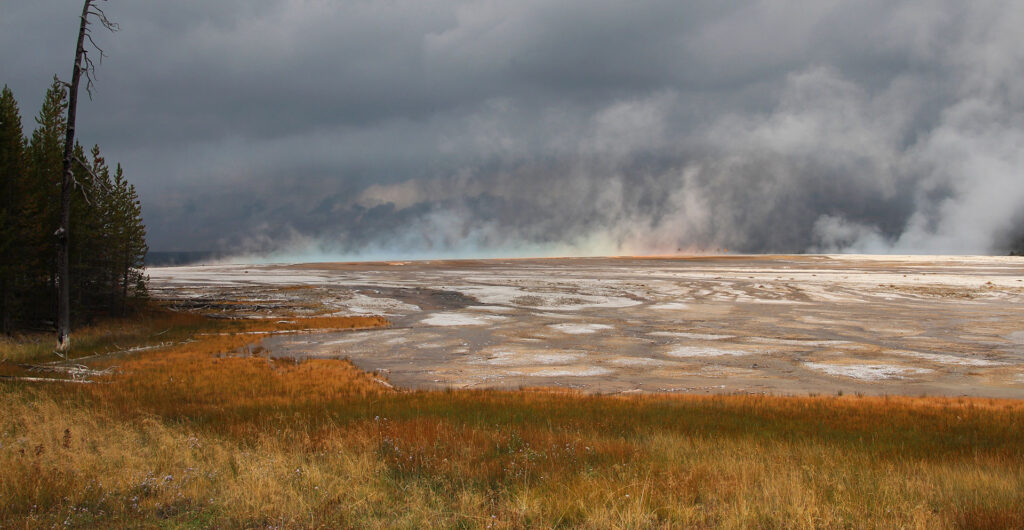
(398, 130)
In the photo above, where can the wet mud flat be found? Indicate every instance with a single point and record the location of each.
(917, 325)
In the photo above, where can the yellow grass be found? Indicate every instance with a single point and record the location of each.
(199, 434)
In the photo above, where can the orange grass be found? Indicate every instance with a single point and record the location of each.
(150, 326)
(317, 323)
(200, 434)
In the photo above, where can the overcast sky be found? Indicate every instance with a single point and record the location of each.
(412, 128)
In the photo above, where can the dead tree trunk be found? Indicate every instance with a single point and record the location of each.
(82, 65)
(64, 233)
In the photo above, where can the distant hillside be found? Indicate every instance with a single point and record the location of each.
(169, 259)
(1015, 244)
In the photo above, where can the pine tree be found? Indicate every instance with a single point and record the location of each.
(104, 200)
(45, 159)
(85, 250)
(12, 197)
(95, 250)
(131, 239)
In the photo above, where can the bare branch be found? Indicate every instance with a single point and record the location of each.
(43, 379)
(95, 179)
(100, 15)
(89, 67)
(88, 169)
(76, 371)
(103, 54)
(81, 188)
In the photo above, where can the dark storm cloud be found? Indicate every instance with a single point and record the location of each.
(390, 128)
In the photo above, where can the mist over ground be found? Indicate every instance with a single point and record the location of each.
(303, 129)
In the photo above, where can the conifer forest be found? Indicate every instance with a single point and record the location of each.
(108, 238)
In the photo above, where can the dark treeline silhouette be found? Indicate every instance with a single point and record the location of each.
(190, 257)
(108, 241)
(1017, 246)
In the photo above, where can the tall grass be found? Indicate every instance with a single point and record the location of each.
(199, 435)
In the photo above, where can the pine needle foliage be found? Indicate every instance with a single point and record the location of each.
(108, 247)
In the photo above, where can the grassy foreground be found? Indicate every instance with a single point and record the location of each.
(199, 434)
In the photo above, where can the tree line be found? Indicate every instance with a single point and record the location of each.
(108, 242)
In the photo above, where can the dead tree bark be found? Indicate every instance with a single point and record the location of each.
(83, 64)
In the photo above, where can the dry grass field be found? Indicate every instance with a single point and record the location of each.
(204, 431)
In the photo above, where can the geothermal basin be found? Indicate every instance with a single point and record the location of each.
(908, 325)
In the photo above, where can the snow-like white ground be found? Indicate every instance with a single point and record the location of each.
(580, 329)
(868, 372)
(459, 319)
(916, 325)
(702, 351)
